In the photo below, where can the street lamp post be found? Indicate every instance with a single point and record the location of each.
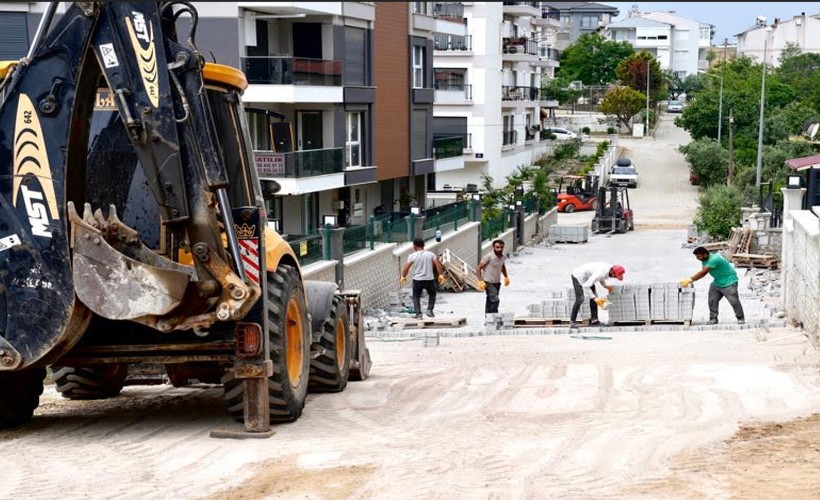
(646, 131)
(759, 169)
(720, 103)
(731, 173)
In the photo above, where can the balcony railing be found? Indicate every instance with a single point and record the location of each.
(509, 137)
(449, 11)
(299, 164)
(549, 54)
(519, 93)
(551, 14)
(455, 87)
(446, 42)
(292, 71)
(519, 46)
(448, 147)
(534, 5)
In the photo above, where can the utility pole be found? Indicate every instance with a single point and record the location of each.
(730, 177)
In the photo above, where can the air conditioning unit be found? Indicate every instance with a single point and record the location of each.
(576, 85)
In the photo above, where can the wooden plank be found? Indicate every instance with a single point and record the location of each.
(434, 323)
(531, 322)
(649, 322)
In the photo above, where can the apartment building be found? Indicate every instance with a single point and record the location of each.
(579, 18)
(488, 89)
(680, 45)
(801, 30)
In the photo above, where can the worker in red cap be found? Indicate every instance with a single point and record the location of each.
(584, 278)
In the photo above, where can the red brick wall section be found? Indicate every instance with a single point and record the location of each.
(391, 54)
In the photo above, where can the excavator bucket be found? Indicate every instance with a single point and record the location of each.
(144, 285)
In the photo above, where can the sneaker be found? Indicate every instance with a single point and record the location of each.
(430, 313)
(595, 323)
(712, 322)
(573, 325)
(741, 321)
(417, 315)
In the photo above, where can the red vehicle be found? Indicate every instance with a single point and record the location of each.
(581, 193)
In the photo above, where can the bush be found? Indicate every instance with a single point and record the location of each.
(586, 130)
(611, 130)
(719, 211)
(567, 149)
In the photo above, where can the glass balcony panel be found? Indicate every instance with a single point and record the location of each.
(292, 71)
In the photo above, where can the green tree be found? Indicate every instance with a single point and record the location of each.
(708, 160)
(592, 59)
(623, 102)
(719, 210)
(631, 71)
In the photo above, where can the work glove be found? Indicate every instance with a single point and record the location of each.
(482, 286)
(506, 281)
(686, 282)
(609, 288)
(441, 279)
(402, 280)
(602, 303)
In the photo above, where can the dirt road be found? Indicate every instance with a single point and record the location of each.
(689, 414)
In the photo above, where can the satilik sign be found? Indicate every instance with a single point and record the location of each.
(269, 163)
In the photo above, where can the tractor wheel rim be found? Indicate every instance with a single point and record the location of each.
(294, 354)
(341, 345)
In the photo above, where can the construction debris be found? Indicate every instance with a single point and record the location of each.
(459, 275)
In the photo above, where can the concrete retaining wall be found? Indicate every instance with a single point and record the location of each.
(800, 269)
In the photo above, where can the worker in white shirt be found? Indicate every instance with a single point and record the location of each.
(584, 278)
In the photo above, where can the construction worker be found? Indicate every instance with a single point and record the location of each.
(584, 278)
(492, 266)
(724, 283)
(422, 262)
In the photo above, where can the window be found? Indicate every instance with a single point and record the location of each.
(418, 66)
(589, 21)
(258, 125)
(355, 56)
(417, 7)
(566, 19)
(353, 140)
(450, 78)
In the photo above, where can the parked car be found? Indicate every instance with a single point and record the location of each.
(674, 107)
(561, 133)
(624, 173)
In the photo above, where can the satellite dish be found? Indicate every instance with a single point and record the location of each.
(812, 131)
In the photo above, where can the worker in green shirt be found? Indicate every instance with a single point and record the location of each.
(724, 283)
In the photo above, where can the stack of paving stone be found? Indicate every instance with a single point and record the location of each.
(569, 233)
(499, 321)
(655, 302)
(555, 306)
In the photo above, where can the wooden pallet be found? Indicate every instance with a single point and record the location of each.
(534, 322)
(434, 323)
(649, 322)
(568, 241)
(459, 275)
(764, 261)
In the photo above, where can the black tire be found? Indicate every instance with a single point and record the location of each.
(20, 396)
(620, 226)
(289, 342)
(631, 224)
(594, 226)
(569, 208)
(90, 382)
(330, 371)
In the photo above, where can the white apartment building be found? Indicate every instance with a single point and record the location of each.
(802, 30)
(679, 44)
(488, 88)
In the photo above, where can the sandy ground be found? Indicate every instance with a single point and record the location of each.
(639, 414)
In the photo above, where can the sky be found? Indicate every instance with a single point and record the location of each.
(729, 18)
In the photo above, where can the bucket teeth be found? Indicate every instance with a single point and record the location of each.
(88, 216)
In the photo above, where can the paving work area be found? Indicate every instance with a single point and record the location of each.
(659, 411)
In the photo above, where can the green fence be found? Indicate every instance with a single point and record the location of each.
(308, 248)
(445, 218)
(491, 228)
(354, 239)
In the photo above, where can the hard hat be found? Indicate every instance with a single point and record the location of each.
(618, 271)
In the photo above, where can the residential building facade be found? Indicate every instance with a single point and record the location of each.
(680, 45)
(488, 90)
(579, 18)
(801, 30)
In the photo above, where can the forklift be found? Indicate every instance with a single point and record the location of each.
(613, 213)
(580, 193)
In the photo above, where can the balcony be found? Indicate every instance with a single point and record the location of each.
(449, 11)
(302, 172)
(275, 70)
(509, 93)
(548, 57)
(548, 18)
(448, 147)
(519, 49)
(452, 43)
(453, 93)
(522, 9)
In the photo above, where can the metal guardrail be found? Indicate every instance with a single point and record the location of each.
(277, 70)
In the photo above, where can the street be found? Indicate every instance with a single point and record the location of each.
(667, 413)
